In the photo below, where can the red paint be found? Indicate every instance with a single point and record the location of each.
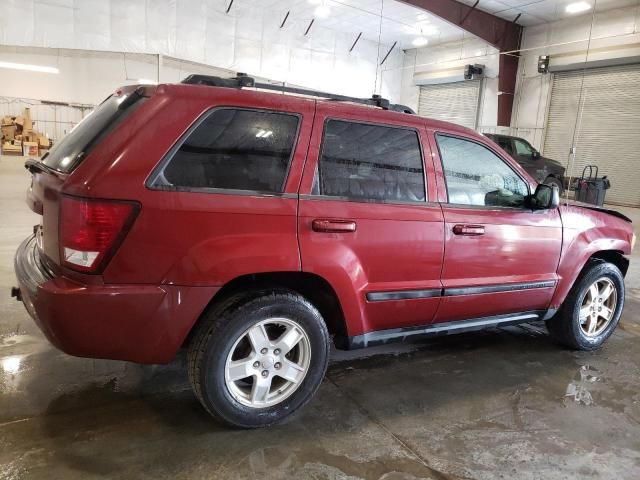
(183, 247)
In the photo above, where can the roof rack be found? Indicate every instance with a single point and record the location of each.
(243, 80)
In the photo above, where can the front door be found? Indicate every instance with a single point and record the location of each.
(500, 256)
(366, 224)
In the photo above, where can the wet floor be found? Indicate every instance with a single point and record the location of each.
(501, 404)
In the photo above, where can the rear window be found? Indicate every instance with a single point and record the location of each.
(69, 152)
(233, 149)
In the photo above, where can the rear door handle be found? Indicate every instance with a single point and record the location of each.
(333, 226)
(469, 230)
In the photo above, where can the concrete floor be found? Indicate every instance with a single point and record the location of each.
(501, 404)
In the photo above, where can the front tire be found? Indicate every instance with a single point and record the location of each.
(592, 309)
(259, 358)
(555, 181)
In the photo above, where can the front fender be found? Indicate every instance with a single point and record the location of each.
(585, 233)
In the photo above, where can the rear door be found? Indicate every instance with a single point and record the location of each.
(368, 222)
(500, 257)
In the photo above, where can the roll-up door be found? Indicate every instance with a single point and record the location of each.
(455, 102)
(608, 126)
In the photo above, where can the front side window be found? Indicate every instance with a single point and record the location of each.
(234, 149)
(370, 163)
(523, 148)
(477, 176)
(505, 144)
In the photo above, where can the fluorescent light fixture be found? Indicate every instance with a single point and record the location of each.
(578, 7)
(322, 11)
(29, 68)
(146, 81)
(420, 41)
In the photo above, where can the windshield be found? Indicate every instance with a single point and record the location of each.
(69, 152)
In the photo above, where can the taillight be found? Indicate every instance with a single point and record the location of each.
(91, 230)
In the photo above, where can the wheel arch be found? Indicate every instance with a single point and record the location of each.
(314, 288)
(616, 257)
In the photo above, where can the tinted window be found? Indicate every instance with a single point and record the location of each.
(67, 154)
(477, 176)
(523, 148)
(505, 144)
(370, 162)
(234, 149)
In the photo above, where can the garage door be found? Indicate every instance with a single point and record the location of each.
(453, 102)
(608, 127)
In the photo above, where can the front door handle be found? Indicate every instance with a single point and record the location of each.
(333, 226)
(469, 230)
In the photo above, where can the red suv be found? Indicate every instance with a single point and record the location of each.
(255, 227)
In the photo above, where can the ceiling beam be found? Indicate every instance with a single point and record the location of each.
(498, 32)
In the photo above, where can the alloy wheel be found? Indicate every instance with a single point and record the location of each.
(268, 362)
(598, 307)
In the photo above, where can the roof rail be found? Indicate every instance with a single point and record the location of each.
(243, 80)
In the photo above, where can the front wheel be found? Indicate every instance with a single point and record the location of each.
(555, 181)
(592, 309)
(259, 359)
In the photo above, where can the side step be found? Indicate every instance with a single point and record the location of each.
(380, 337)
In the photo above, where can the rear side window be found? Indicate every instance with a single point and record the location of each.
(233, 149)
(370, 162)
(68, 153)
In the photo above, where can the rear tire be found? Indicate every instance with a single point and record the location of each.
(258, 357)
(592, 310)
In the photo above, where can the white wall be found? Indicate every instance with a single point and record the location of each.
(248, 39)
(607, 35)
(454, 55)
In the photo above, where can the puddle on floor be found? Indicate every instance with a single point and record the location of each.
(579, 389)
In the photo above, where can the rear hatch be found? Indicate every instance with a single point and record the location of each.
(45, 195)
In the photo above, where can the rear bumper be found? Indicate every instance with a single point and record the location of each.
(139, 323)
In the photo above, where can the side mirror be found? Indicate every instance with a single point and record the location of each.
(535, 155)
(546, 197)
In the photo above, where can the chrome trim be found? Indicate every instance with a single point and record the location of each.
(398, 334)
(420, 203)
(508, 287)
(225, 191)
(403, 295)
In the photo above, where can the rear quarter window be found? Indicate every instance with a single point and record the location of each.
(232, 149)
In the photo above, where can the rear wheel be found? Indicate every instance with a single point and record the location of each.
(592, 309)
(259, 358)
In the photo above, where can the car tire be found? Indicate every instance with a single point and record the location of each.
(251, 334)
(586, 318)
(555, 181)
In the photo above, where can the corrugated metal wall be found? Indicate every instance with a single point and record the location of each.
(455, 102)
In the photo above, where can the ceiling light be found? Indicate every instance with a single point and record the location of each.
(29, 68)
(322, 11)
(420, 42)
(578, 7)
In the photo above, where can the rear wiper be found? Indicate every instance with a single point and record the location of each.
(36, 166)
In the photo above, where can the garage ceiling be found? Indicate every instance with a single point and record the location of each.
(404, 23)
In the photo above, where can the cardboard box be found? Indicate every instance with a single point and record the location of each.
(10, 149)
(43, 142)
(8, 132)
(30, 149)
(28, 124)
